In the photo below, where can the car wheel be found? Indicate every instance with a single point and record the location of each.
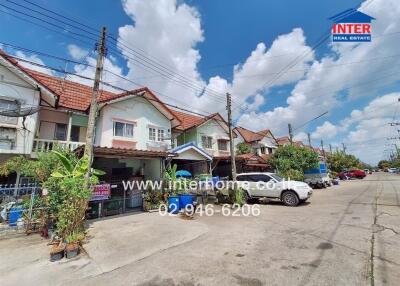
(290, 198)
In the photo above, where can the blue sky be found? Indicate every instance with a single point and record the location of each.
(205, 39)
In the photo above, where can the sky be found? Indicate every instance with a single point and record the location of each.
(265, 53)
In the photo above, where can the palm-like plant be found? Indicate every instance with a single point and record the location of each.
(77, 171)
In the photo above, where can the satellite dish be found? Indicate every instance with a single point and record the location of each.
(20, 112)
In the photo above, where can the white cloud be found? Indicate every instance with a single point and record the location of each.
(325, 131)
(301, 136)
(76, 52)
(34, 59)
(366, 131)
(318, 91)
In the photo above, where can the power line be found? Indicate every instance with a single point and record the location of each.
(143, 60)
(103, 83)
(47, 22)
(88, 65)
(47, 28)
(315, 118)
(51, 17)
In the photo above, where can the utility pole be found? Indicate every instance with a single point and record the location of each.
(323, 151)
(290, 133)
(309, 139)
(330, 148)
(101, 50)
(344, 148)
(232, 149)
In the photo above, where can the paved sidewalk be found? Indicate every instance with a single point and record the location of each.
(346, 235)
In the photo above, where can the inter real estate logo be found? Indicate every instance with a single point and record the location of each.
(351, 26)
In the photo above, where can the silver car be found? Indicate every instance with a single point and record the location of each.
(270, 185)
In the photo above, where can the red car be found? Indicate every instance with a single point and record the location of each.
(352, 174)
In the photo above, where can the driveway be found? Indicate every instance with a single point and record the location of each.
(346, 235)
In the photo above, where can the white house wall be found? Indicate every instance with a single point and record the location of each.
(214, 129)
(137, 110)
(17, 89)
(48, 120)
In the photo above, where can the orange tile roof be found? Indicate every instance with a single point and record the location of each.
(283, 140)
(190, 120)
(73, 95)
(251, 136)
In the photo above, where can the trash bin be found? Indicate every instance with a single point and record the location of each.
(184, 200)
(173, 204)
(15, 214)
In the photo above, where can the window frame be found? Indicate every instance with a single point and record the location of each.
(160, 131)
(124, 129)
(57, 129)
(223, 141)
(208, 139)
(151, 135)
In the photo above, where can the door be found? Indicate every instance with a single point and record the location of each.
(261, 186)
(46, 130)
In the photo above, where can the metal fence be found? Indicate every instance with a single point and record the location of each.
(17, 202)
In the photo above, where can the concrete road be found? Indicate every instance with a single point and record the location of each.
(345, 235)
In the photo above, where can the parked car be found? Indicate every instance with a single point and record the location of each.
(352, 174)
(291, 193)
(392, 170)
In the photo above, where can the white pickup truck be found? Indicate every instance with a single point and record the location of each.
(270, 185)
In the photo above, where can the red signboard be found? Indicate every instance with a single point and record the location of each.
(101, 192)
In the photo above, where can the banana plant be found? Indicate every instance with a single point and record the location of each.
(74, 171)
(170, 174)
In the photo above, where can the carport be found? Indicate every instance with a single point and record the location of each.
(192, 158)
(124, 165)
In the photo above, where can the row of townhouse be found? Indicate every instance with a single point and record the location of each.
(136, 134)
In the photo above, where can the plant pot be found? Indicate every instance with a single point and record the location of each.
(72, 250)
(56, 253)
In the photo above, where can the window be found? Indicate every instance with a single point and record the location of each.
(269, 150)
(206, 142)
(156, 134)
(254, 178)
(75, 130)
(223, 145)
(160, 135)
(152, 134)
(60, 132)
(262, 150)
(8, 138)
(6, 104)
(122, 129)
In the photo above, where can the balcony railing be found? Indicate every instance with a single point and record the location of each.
(158, 146)
(46, 145)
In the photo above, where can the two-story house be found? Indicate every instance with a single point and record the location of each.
(205, 137)
(132, 133)
(263, 143)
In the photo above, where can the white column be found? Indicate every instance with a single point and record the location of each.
(69, 128)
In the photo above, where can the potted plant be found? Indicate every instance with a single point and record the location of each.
(73, 243)
(57, 252)
(151, 200)
(173, 199)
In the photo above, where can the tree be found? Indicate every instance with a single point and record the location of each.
(68, 195)
(40, 169)
(384, 164)
(243, 148)
(340, 161)
(291, 161)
